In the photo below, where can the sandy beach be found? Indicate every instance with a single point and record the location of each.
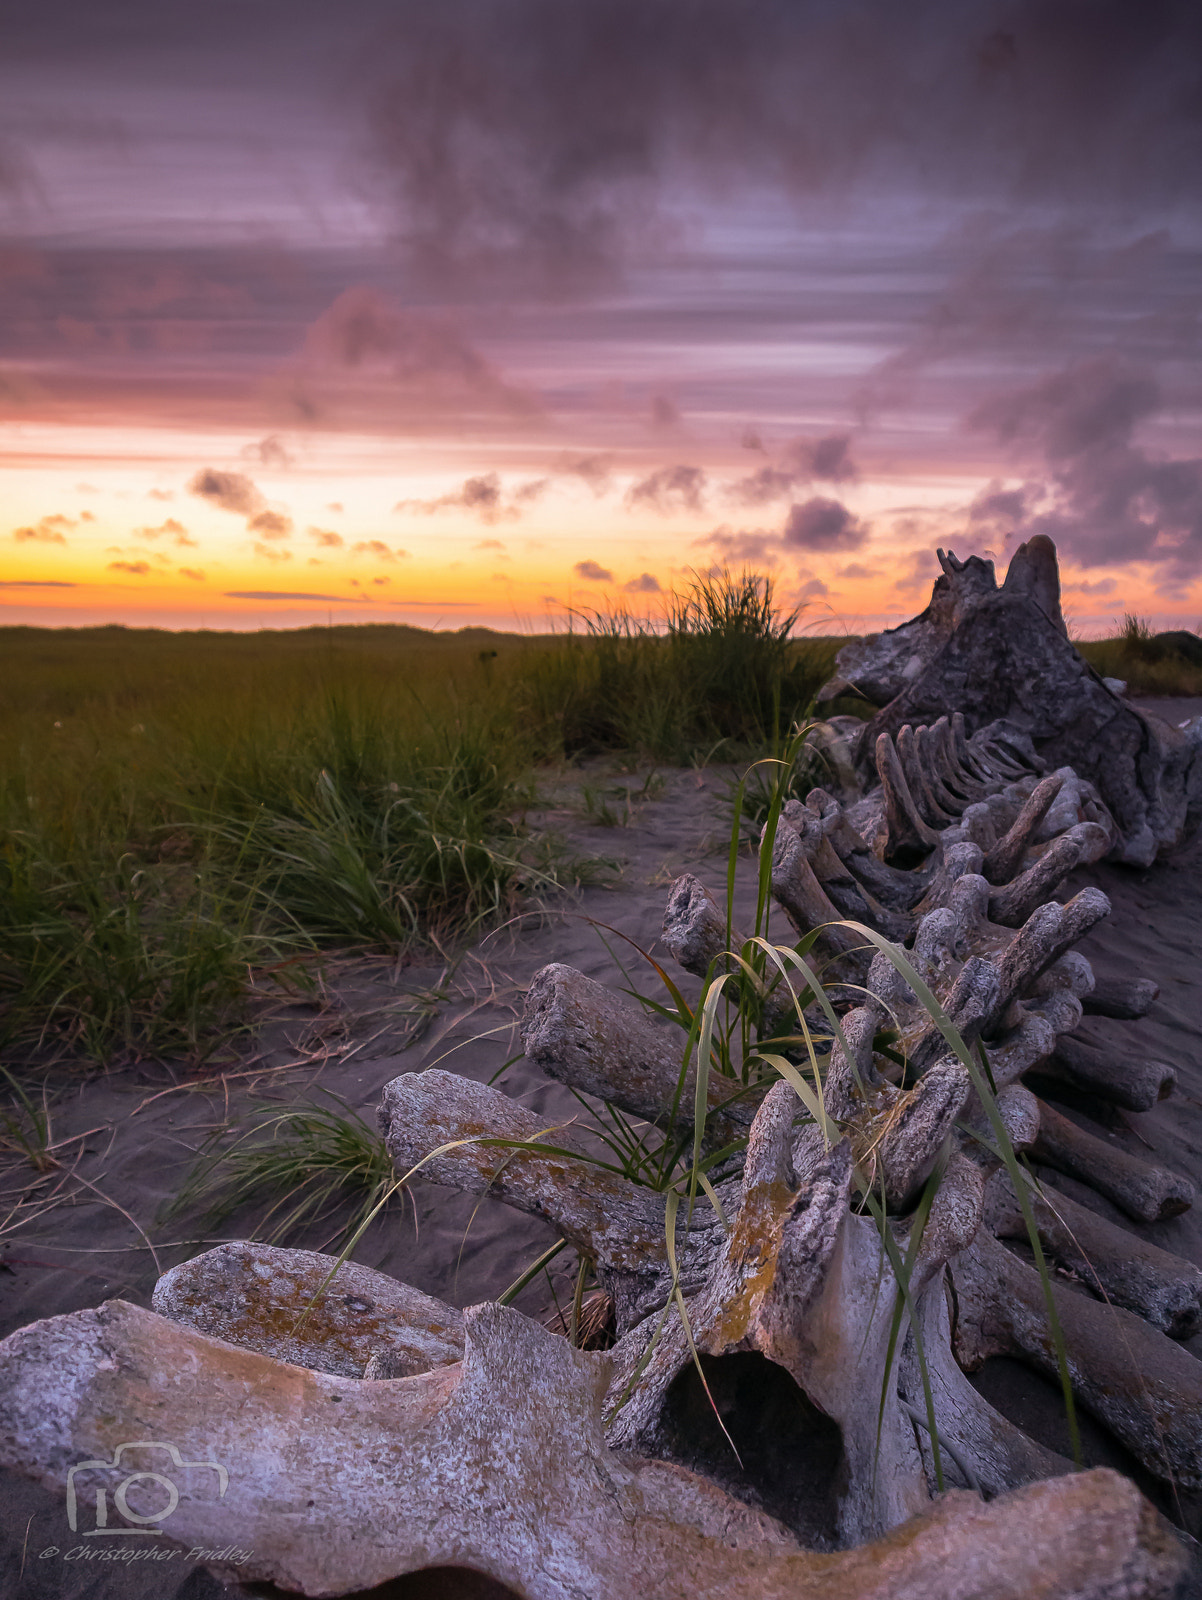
(130, 1137)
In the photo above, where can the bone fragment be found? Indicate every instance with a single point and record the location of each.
(1156, 1285)
(1004, 861)
(1144, 1387)
(804, 901)
(608, 1217)
(387, 1479)
(910, 756)
(918, 1133)
(1014, 903)
(907, 828)
(601, 1043)
(694, 927)
(1045, 936)
(1125, 998)
(1125, 1078)
(1144, 1192)
(266, 1299)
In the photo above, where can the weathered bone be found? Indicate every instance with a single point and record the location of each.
(386, 1478)
(1146, 1193)
(1014, 903)
(1125, 998)
(907, 829)
(1006, 857)
(1159, 1287)
(917, 781)
(266, 1299)
(581, 1032)
(1142, 1385)
(1123, 1078)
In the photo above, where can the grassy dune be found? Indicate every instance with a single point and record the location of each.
(179, 808)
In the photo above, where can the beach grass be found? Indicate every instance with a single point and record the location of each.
(1147, 662)
(178, 810)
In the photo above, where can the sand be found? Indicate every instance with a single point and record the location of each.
(375, 1022)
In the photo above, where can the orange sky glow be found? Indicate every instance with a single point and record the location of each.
(286, 338)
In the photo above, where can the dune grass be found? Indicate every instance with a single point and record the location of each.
(1148, 663)
(176, 808)
(179, 808)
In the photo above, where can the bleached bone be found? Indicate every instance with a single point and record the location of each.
(579, 1031)
(267, 1299)
(1123, 1078)
(907, 829)
(805, 903)
(617, 1223)
(1144, 1387)
(1005, 859)
(795, 1282)
(1125, 998)
(386, 1480)
(1158, 1286)
(1146, 1193)
(917, 781)
(694, 927)
(893, 888)
(847, 895)
(1012, 904)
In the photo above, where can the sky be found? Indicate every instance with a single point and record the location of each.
(487, 311)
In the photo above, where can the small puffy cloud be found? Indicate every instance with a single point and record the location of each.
(232, 491)
(764, 485)
(997, 513)
(137, 569)
(191, 572)
(804, 461)
(377, 548)
(593, 571)
(271, 451)
(49, 530)
(172, 528)
(828, 458)
(334, 505)
(856, 570)
(326, 537)
(595, 471)
(645, 583)
(678, 488)
(489, 544)
(160, 494)
(822, 524)
(1102, 586)
(266, 552)
(812, 588)
(379, 582)
(481, 496)
(271, 525)
(751, 547)
(750, 439)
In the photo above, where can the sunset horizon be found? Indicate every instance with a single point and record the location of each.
(492, 315)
